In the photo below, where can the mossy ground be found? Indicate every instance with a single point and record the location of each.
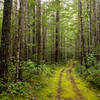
(49, 92)
(87, 92)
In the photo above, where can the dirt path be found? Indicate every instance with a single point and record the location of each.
(65, 85)
(79, 95)
(59, 91)
(59, 86)
(75, 89)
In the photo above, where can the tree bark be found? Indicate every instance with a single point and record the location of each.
(21, 38)
(34, 32)
(57, 32)
(38, 31)
(83, 52)
(4, 53)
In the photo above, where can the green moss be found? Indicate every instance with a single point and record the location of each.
(67, 87)
(50, 92)
(87, 92)
(12, 98)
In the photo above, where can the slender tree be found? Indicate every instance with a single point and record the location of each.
(34, 31)
(57, 31)
(38, 31)
(83, 50)
(88, 40)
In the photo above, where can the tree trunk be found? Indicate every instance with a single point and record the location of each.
(88, 41)
(83, 55)
(38, 31)
(16, 42)
(4, 53)
(94, 24)
(21, 37)
(34, 32)
(57, 32)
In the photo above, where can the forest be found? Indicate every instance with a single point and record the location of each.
(49, 49)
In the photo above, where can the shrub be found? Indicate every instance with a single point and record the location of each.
(16, 88)
(80, 69)
(92, 74)
(91, 60)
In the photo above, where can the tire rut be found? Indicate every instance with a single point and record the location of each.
(79, 96)
(59, 90)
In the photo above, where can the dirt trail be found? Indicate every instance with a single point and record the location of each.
(59, 91)
(79, 96)
(59, 86)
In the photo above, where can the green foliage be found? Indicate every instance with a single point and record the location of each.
(16, 88)
(11, 71)
(91, 60)
(92, 74)
(35, 78)
(80, 69)
(2, 85)
(32, 71)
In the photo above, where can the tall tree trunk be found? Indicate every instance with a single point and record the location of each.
(99, 25)
(21, 37)
(88, 41)
(82, 34)
(94, 23)
(16, 42)
(98, 28)
(57, 32)
(43, 35)
(34, 32)
(38, 31)
(29, 30)
(79, 35)
(4, 53)
(26, 31)
(44, 41)
(91, 24)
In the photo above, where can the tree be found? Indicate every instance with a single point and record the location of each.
(83, 50)
(34, 30)
(4, 51)
(57, 32)
(21, 38)
(38, 31)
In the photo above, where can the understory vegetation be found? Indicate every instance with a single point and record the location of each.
(92, 74)
(34, 79)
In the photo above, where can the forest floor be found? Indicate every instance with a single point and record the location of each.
(66, 85)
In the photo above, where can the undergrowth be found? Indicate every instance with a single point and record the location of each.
(34, 79)
(91, 74)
